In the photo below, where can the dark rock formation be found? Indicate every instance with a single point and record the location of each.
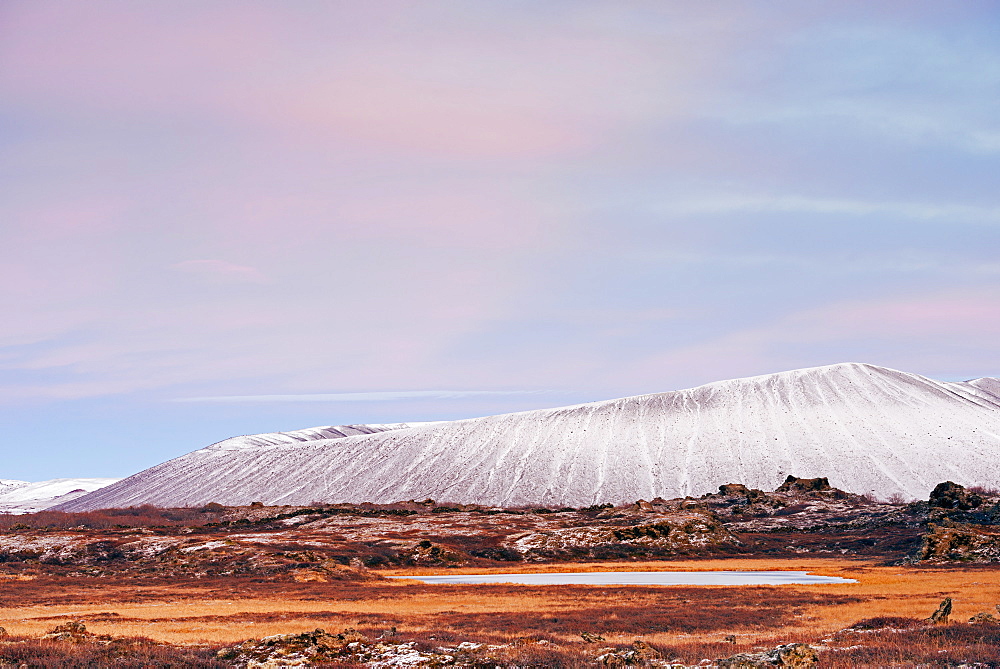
(940, 616)
(740, 491)
(952, 541)
(666, 533)
(738, 500)
(795, 484)
(962, 526)
(951, 505)
(949, 495)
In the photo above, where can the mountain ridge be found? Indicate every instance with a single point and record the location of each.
(870, 429)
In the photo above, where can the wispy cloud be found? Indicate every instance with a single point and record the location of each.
(381, 396)
(481, 195)
(799, 204)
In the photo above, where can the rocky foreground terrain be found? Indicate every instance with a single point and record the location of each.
(337, 552)
(352, 541)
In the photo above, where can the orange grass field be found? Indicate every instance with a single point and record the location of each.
(220, 612)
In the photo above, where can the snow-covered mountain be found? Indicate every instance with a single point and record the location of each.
(869, 429)
(27, 497)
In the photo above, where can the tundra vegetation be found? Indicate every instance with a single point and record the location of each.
(277, 585)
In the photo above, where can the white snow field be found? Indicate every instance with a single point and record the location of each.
(26, 497)
(869, 429)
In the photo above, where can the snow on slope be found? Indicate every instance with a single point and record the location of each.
(309, 434)
(869, 429)
(25, 497)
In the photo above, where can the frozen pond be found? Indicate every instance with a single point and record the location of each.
(640, 578)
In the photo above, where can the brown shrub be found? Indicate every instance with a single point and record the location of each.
(932, 645)
(122, 652)
(639, 610)
(145, 515)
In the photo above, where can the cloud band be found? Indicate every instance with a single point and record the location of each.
(380, 396)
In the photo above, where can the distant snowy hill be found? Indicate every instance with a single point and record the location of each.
(26, 497)
(869, 429)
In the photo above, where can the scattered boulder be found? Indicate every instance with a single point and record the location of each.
(740, 490)
(74, 631)
(429, 553)
(789, 655)
(949, 495)
(640, 654)
(744, 494)
(983, 618)
(940, 616)
(644, 506)
(795, 484)
(734, 490)
(644, 651)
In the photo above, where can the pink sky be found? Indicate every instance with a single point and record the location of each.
(591, 199)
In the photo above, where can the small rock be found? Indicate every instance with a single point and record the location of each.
(643, 651)
(71, 631)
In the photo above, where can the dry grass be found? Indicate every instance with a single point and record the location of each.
(690, 622)
(908, 642)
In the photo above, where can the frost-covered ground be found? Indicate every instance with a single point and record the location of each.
(871, 430)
